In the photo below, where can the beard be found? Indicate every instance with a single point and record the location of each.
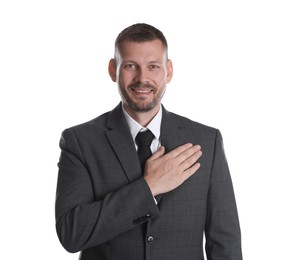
(141, 105)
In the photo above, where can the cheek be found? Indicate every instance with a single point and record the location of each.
(124, 83)
(121, 78)
(161, 79)
(125, 77)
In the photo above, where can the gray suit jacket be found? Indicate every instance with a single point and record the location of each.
(104, 207)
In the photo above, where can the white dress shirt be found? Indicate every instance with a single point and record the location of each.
(153, 126)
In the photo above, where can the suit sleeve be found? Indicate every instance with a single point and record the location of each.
(82, 221)
(223, 238)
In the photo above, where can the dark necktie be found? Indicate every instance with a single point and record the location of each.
(143, 140)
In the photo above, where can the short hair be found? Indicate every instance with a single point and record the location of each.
(140, 32)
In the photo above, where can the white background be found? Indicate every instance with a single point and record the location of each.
(230, 64)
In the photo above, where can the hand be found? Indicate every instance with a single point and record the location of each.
(165, 172)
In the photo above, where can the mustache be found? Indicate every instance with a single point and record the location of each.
(141, 85)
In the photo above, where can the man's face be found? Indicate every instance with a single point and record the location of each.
(142, 72)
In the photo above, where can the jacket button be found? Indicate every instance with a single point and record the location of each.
(150, 239)
(148, 216)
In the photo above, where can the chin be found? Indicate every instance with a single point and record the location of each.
(143, 108)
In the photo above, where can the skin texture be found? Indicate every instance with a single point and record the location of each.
(142, 71)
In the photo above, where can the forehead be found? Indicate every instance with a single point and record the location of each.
(129, 50)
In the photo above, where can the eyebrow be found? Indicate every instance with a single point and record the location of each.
(150, 62)
(156, 61)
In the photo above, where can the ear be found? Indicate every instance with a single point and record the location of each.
(169, 71)
(113, 70)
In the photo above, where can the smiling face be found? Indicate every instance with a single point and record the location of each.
(142, 71)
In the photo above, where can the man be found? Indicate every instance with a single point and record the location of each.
(112, 203)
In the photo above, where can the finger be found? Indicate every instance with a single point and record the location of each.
(187, 153)
(175, 152)
(158, 153)
(192, 170)
(190, 160)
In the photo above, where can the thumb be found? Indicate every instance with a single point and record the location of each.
(159, 153)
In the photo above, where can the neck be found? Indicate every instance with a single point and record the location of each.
(143, 118)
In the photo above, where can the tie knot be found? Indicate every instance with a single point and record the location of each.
(144, 138)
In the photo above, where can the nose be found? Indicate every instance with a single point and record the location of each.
(142, 75)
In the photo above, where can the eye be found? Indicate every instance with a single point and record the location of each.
(130, 66)
(153, 67)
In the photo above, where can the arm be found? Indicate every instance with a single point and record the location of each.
(223, 239)
(81, 220)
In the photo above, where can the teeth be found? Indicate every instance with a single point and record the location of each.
(142, 91)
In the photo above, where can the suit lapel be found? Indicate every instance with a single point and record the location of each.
(172, 131)
(172, 135)
(122, 143)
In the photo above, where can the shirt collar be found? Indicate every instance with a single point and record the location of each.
(153, 126)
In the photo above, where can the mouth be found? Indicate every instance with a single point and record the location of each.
(142, 91)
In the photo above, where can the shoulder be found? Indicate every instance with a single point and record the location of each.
(84, 134)
(188, 124)
(98, 126)
(95, 124)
